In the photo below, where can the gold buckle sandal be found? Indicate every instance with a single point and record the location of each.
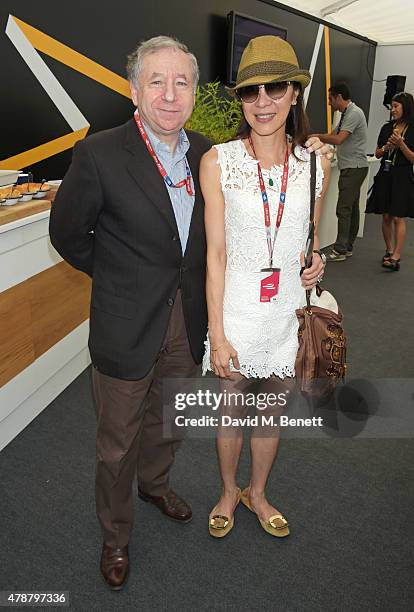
(277, 525)
(219, 525)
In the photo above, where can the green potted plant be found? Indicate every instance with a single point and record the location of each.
(215, 115)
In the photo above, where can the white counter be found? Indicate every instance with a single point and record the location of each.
(38, 358)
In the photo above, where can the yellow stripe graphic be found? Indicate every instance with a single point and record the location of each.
(64, 54)
(60, 52)
(32, 156)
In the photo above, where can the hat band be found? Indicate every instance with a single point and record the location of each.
(266, 68)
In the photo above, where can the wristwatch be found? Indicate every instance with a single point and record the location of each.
(321, 255)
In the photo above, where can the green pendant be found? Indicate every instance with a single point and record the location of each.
(271, 182)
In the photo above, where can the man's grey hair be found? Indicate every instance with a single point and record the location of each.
(135, 59)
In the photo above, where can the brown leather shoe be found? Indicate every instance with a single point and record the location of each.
(170, 504)
(115, 566)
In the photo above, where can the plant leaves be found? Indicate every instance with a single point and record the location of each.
(215, 115)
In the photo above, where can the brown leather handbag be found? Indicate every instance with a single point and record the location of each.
(321, 359)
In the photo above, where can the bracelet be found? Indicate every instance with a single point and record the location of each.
(217, 347)
(321, 255)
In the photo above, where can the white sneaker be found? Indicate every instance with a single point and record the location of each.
(335, 256)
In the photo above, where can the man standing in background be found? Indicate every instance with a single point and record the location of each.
(350, 138)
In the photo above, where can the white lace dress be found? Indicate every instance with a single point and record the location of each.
(264, 334)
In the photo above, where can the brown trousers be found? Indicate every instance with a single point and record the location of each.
(130, 432)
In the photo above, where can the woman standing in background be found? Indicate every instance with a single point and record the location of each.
(393, 191)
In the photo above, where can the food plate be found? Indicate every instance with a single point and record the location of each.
(41, 194)
(12, 201)
(9, 193)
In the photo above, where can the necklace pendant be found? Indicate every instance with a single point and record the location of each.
(271, 182)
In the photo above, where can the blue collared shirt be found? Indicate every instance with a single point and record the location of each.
(174, 164)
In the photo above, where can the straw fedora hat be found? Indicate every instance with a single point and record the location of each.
(269, 59)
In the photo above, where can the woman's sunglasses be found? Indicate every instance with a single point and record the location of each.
(250, 93)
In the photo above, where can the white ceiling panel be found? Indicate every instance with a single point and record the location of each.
(381, 20)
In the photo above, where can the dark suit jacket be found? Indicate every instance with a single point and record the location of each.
(112, 218)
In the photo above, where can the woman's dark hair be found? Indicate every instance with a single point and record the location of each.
(297, 123)
(340, 88)
(407, 102)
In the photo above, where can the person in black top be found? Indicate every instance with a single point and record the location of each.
(393, 190)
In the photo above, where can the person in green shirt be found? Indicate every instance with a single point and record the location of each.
(350, 138)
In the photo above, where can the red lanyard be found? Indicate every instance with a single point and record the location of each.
(282, 199)
(185, 182)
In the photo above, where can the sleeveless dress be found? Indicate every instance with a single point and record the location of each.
(263, 334)
(393, 191)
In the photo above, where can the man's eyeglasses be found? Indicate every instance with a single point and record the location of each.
(250, 93)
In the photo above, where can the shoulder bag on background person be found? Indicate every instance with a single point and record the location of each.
(321, 359)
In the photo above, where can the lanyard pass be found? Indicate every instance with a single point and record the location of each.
(184, 182)
(265, 200)
(269, 286)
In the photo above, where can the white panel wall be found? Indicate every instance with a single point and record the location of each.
(390, 59)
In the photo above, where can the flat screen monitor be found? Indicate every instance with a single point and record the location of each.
(241, 28)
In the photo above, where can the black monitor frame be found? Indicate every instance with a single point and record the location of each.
(231, 22)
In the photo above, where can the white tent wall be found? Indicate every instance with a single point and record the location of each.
(390, 59)
(380, 20)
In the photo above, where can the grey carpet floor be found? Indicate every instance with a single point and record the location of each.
(349, 499)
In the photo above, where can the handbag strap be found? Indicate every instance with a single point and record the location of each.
(312, 187)
(311, 232)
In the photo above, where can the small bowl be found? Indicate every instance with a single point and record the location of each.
(41, 194)
(26, 197)
(12, 201)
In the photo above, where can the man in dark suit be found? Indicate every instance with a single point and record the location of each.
(130, 214)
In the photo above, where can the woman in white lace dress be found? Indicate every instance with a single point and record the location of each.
(252, 321)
